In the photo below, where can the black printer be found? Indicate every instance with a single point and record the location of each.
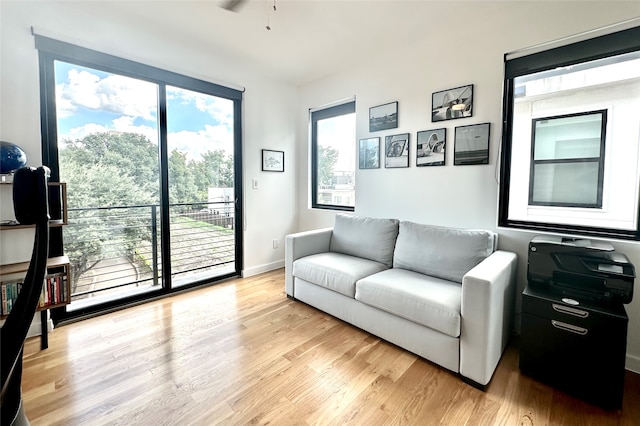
(581, 269)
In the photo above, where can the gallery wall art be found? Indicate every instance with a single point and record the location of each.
(471, 145)
(383, 117)
(396, 150)
(430, 147)
(452, 103)
(369, 153)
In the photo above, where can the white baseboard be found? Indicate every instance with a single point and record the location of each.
(249, 272)
(633, 363)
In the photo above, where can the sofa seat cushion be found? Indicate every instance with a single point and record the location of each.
(335, 271)
(429, 301)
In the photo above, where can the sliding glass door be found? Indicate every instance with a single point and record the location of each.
(201, 185)
(152, 173)
(108, 155)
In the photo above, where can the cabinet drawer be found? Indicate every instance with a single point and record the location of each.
(580, 315)
(585, 362)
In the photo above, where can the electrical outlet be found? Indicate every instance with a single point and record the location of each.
(276, 243)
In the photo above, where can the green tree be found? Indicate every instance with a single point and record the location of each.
(93, 227)
(108, 173)
(103, 171)
(182, 179)
(130, 154)
(327, 159)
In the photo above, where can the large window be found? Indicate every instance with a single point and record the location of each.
(570, 153)
(333, 151)
(152, 162)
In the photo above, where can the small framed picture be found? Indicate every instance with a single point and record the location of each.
(383, 117)
(452, 103)
(396, 151)
(430, 147)
(369, 153)
(272, 161)
(471, 145)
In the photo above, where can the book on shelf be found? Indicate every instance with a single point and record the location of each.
(9, 293)
(54, 290)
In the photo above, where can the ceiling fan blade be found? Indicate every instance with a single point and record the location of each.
(231, 5)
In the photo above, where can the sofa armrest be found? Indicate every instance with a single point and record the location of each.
(300, 245)
(488, 293)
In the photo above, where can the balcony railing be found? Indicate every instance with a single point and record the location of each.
(116, 250)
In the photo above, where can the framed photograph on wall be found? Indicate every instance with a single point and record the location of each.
(430, 147)
(452, 103)
(383, 117)
(369, 153)
(272, 161)
(471, 145)
(396, 151)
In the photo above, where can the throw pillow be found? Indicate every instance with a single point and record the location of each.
(446, 253)
(366, 237)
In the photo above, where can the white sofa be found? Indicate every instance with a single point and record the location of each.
(442, 293)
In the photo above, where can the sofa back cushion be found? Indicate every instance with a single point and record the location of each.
(446, 253)
(365, 237)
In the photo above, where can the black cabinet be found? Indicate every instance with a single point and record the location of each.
(578, 348)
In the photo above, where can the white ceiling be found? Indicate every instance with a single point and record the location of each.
(311, 39)
(308, 39)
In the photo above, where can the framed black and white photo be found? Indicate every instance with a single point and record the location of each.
(383, 117)
(396, 151)
(452, 103)
(430, 147)
(471, 145)
(272, 161)
(369, 153)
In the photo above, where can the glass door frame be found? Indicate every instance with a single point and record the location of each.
(50, 50)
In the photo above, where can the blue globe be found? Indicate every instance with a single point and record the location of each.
(12, 157)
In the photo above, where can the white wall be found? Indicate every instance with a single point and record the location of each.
(448, 56)
(269, 107)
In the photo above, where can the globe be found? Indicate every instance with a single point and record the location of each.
(12, 157)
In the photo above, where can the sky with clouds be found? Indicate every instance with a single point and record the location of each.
(90, 101)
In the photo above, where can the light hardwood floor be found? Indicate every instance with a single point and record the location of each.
(242, 353)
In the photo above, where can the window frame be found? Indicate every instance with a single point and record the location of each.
(516, 65)
(315, 116)
(600, 160)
